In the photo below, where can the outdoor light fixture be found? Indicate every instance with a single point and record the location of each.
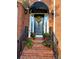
(52, 12)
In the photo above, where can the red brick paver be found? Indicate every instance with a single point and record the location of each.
(38, 51)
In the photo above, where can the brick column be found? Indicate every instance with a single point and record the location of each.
(20, 18)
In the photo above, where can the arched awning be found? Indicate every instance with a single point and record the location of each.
(39, 7)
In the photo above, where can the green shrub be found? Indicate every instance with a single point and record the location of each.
(48, 43)
(46, 35)
(33, 35)
(29, 43)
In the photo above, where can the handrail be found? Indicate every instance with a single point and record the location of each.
(55, 43)
(20, 42)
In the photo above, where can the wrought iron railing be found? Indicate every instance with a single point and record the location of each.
(20, 42)
(54, 43)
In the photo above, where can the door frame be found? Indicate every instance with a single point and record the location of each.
(45, 26)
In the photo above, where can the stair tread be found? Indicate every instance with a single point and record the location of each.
(38, 51)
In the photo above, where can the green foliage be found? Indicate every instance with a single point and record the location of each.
(46, 35)
(33, 35)
(48, 43)
(29, 43)
(24, 2)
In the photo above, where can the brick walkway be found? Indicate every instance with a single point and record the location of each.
(38, 51)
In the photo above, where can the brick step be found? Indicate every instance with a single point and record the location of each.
(36, 57)
(38, 48)
(37, 54)
(38, 51)
(46, 51)
(37, 41)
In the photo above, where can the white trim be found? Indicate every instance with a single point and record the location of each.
(32, 23)
(47, 24)
(39, 0)
(29, 27)
(44, 23)
(54, 18)
(39, 36)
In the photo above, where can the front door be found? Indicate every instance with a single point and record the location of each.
(38, 26)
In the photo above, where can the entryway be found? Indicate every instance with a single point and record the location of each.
(38, 22)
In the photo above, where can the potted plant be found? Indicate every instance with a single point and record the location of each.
(46, 36)
(48, 43)
(33, 35)
(29, 43)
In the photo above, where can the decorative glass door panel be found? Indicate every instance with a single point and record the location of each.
(39, 27)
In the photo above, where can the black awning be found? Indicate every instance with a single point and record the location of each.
(39, 7)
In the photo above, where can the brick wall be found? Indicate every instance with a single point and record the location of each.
(20, 19)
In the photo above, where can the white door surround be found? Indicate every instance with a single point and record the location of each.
(45, 25)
